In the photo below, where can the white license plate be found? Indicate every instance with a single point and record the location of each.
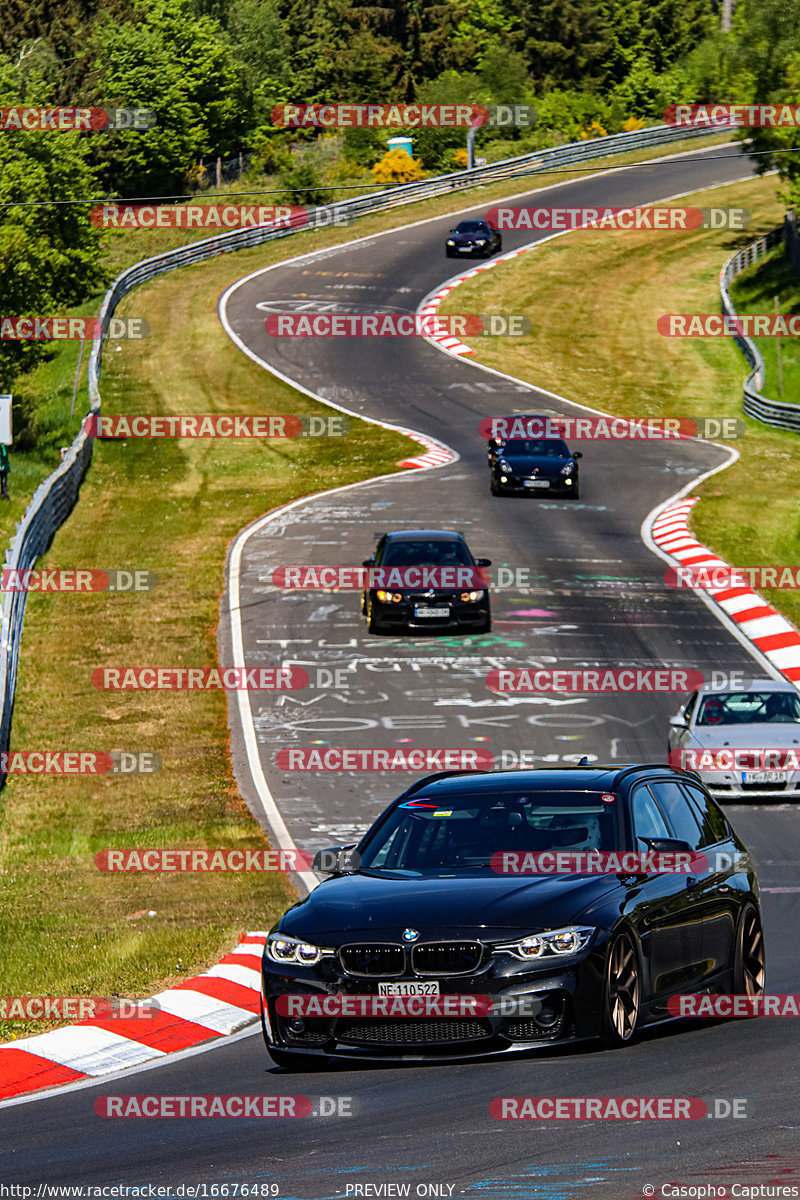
(465, 249)
(764, 776)
(537, 483)
(431, 612)
(408, 989)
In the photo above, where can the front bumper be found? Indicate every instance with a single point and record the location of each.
(561, 485)
(467, 251)
(726, 786)
(460, 615)
(531, 1008)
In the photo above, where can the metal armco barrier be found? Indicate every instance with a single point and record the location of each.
(780, 414)
(53, 500)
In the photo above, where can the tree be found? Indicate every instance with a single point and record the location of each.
(181, 66)
(50, 252)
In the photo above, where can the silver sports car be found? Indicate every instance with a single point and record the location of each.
(743, 741)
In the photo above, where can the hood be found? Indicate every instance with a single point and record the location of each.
(525, 464)
(758, 736)
(464, 238)
(368, 906)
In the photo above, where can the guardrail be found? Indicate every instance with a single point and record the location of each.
(778, 413)
(53, 500)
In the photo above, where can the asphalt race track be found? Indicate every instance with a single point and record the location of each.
(596, 598)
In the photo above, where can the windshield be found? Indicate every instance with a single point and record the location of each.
(463, 831)
(750, 708)
(426, 553)
(471, 227)
(544, 447)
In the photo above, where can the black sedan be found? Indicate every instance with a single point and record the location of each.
(473, 237)
(526, 465)
(426, 579)
(426, 905)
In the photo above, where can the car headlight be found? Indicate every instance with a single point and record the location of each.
(555, 943)
(481, 242)
(389, 597)
(471, 597)
(450, 242)
(503, 465)
(288, 950)
(568, 469)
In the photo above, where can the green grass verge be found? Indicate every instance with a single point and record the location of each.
(594, 298)
(754, 291)
(171, 507)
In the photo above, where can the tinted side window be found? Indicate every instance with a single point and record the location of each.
(690, 703)
(676, 808)
(713, 826)
(647, 820)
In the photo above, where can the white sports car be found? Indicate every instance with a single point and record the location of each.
(741, 742)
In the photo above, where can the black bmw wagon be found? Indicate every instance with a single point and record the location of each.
(486, 885)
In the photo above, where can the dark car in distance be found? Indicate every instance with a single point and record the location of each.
(431, 580)
(419, 908)
(473, 237)
(524, 465)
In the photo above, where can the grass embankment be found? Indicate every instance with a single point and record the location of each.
(46, 392)
(754, 291)
(594, 298)
(171, 507)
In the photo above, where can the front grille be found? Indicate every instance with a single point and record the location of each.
(432, 601)
(411, 1033)
(379, 960)
(531, 1031)
(446, 958)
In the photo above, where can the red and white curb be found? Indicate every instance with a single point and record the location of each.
(430, 305)
(776, 638)
(212, 1005)
(436, 453)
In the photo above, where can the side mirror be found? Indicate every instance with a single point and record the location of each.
(334, 860)
(483, 562)
(679, 722)
(577, 454)
(668, 845)
(369, 562)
